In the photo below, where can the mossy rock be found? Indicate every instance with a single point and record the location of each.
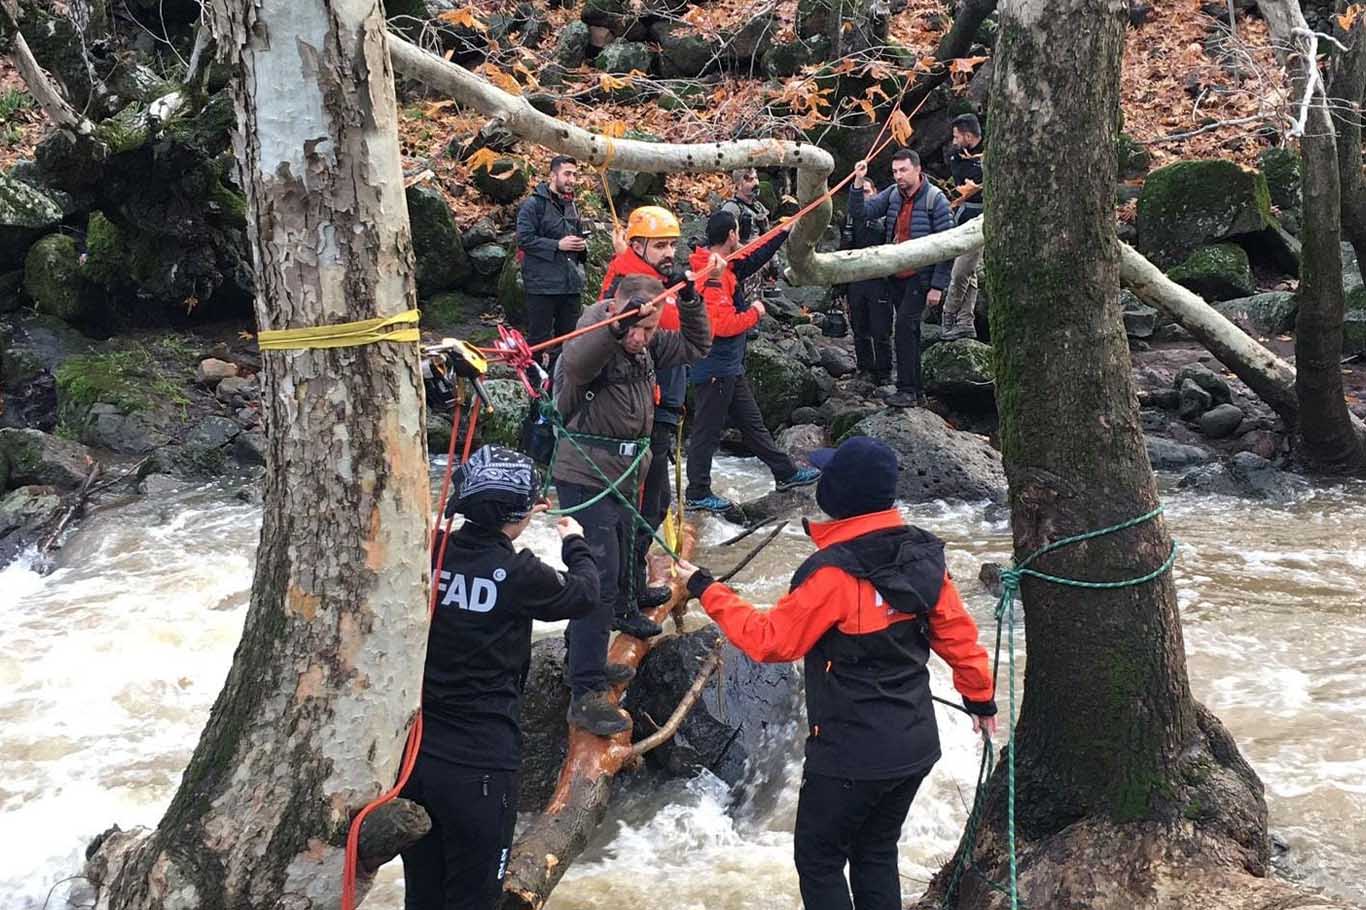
(960, 369)
(441, 259)
(816, 18)
(1354, 322)
(572, 46)
(1220, 271)
(600, 254)
(512, 293)
(502, 424)
(683, 52)
(622, 57)
(106, 253)
(503, 182)
(1282, 169)
(784, 60)
(1272, 313)
(26, 213)
(1134, 159)
(34, 457)
(781, 384)
(1191, 204)
(52, 280)
(130, 379)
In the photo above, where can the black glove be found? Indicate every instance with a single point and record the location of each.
(622, 326)
(687, 293)
(699, 582)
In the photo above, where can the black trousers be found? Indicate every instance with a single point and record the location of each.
(654, 503)
(910, 310)
(550, 315)
(719, 401)
(853, 822)
(870, 317)
(608, 528)
(460, 863)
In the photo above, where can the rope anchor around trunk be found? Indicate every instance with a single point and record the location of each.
(1011, 579)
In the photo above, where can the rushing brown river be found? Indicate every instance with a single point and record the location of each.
(112, 662)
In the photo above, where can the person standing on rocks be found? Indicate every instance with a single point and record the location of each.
(965, 163)
(478, 655)
(722, 391)
(912, 207)
(605, 395)
(651, 236)
(552, 248)
(870, 312)
(863, 613)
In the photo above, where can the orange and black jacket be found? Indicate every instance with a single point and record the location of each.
(865, 611)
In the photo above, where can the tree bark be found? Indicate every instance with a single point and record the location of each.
(1329, 438)
(311, 721)
(1347, 88)
(1108, 731)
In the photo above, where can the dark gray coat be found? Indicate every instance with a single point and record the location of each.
(542, 221)
(930, 215)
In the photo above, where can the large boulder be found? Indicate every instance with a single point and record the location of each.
(1168, 455)
(935, 460)
(801, 440)
(502, 423)
(26, 510)
(1283, 170)
(35, 457)
(26, 213)
(1271, 313)
(781, 384)
(1220, 271)
(1190, 204)
(107, 427)
(1247, 476)
(52, 279)
(441, 260)
(959, 370)
(683, 53)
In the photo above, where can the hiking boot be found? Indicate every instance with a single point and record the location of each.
(804, 477)
(594, 712)
(652, 597)
(637, 624)
(710, 503)
(619, 674)
(904, 400)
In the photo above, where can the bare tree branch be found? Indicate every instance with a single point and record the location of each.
(58, 110)
(685, 705)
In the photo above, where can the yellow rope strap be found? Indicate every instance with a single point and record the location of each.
(342, 335)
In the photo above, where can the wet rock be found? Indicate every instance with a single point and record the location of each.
(250, 448)
(29, 509)
(837, 361)
(213, 433)
(1206, 379)
(193, 462)
(1221, 421)
(775, 504)
(212, 371)
(161, 485)
(1189, 204)
(801, 440)
(936, 461)
(248, 418)
(743, 708)
(1219, 271)
(29, 457)
(1247, 476)
(26, 213)
(1272, 313)
(1263, 443)
(437, 247)
(990, 577)
(107, 427)
(1195, 401)
(438, 431)
(1167, 455)
(959, 370)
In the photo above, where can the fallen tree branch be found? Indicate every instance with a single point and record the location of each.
(40, 86)
(685, 704)
(749, 557)
(74, 510)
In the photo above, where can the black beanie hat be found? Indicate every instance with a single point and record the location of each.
(497, 486)
(857, 478)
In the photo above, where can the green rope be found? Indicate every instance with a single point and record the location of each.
(1011, 580)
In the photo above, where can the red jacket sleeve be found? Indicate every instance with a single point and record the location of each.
(725, 321)
(787, 631)
(953, 636)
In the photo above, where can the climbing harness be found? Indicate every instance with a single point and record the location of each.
(1011, 579)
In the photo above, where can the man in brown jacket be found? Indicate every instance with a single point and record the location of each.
(605, 393)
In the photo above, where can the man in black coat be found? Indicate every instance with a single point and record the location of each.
(552, 248)
(478, 656)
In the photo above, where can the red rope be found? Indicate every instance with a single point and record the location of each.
(414, 743)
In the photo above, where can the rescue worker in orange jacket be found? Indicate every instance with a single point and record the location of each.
(864, 611)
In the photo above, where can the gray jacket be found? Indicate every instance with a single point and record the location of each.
(602, 390)
(541, 221)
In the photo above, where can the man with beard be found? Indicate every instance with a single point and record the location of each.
(551, 249)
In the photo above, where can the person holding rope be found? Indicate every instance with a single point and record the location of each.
(605, 395)
(552, 248)
(723, 393)
(913, 207)
(863, 612)
(478, 656)
(650, 246)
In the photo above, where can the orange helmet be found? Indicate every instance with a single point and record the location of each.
(652, 222)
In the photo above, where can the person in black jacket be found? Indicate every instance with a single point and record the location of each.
(870, 312)
(551, 247)
(478, 656)
(965, 163)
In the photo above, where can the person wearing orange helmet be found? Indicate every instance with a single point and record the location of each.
(652, 235)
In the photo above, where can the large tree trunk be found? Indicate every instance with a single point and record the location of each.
(1329, 438)
(311, 721)
(1348, 89)
(1109, 737)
